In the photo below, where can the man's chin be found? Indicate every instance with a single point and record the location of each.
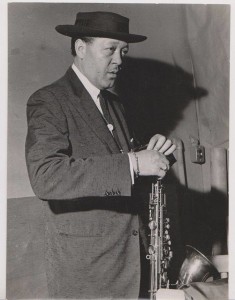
(109, 84)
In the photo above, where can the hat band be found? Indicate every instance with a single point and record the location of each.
(85, 24)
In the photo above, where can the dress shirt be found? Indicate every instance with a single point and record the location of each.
(94, 93)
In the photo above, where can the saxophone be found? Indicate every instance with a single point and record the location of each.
(196, 266)
(159, 250)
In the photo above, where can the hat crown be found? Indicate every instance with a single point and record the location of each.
(105, 21)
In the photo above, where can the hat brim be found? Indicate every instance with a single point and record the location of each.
(74, 31)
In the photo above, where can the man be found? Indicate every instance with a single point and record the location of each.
(79, 159)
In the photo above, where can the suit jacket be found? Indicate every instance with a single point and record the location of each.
(74, 164)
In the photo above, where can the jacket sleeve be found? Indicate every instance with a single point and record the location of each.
(53, 172)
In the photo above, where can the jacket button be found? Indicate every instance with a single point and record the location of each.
(135, 232)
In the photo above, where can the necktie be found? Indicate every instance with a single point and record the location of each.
(108, 120)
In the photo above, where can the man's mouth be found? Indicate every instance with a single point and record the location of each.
(113, 74)
(115, 71)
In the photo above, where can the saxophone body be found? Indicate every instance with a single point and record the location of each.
(159, 250)
(196, 266)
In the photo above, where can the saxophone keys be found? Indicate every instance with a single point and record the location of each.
(151, 250)
(166, 252)
(165, 264)
(153, 225)
(167, 226)
(167, 237)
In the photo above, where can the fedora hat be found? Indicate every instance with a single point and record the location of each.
(100, 24)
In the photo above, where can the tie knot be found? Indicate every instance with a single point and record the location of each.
(101, 96)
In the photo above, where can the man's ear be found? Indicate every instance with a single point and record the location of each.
(80, 48)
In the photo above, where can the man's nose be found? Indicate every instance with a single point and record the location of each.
(117, 58)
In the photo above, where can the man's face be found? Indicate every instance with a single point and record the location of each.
(102, 60)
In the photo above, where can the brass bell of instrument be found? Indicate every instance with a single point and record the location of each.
(195, 268)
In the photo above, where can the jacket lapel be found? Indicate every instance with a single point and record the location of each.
(117, 114)
(86, 107)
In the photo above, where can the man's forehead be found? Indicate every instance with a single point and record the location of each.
(108, 41)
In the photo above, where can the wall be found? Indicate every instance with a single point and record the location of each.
(163, 95)
(208, 44)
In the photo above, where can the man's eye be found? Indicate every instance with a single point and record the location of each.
(124, 52)
(110, 49)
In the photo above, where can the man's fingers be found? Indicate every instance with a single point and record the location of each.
(161, 174)
(160, 143)
(165, 146)
(152, 142)
(170, 150)
(164, 166)
(156, 142)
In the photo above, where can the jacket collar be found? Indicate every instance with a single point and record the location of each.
(92, 90)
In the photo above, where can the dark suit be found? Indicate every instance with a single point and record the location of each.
(92, 226)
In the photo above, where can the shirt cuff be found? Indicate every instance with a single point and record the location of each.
(131, 170)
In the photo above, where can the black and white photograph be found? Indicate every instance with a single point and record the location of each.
(118, 151)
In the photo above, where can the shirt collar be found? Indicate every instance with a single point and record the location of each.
(92, 90)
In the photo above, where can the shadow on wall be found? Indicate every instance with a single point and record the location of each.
(154, 95)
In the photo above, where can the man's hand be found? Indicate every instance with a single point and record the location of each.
(153, 161)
